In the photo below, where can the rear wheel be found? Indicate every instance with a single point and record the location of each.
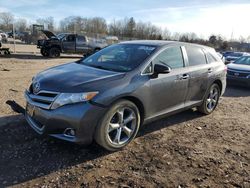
(119, 126)
(54, 52)
(210, 100)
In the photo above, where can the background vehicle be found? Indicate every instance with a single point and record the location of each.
(233, 56)
(67, 43)
(4, 37)
(238, 72)
(108, 95)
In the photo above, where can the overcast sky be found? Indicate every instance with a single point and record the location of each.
(203, 18)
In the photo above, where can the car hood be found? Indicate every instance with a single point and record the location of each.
(238, 67)
(74, 77)
(49, 34)
(232, 57)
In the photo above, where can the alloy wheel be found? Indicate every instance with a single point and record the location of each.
(212, 99)
(122, 126)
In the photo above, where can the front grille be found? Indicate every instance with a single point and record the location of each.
(42, 99)
(237, 73)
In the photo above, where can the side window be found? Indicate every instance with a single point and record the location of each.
(210, 58)
(171, 57)
(149, 69)
(71, 38)
(80, 39)
(195, 55)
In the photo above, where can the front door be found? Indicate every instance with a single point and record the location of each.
(69, 44)
(168, 91)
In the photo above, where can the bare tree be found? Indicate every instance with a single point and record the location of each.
(166, 34)
(96, 25)
(6, 21)
(242, 39)
(48, 23)
(21, 24)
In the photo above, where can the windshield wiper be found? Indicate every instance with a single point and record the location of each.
(102, 67)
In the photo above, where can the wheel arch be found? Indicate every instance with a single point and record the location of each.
(138, 104)
(56, 46)
(219, 82)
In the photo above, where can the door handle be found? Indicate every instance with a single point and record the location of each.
(210, 70)
(184, 77)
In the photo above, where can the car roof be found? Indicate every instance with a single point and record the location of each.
(160, 43)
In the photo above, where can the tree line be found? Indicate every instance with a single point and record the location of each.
(124, 29)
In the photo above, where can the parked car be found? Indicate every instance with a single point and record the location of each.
(107, 96)
(238, 72)
(231, 57)
(4, 37)
(67, 43)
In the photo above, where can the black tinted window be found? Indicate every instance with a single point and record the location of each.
(171, 57)
(195, 55)
(71, 38)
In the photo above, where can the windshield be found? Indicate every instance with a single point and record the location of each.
(60, 36)
(120, 57)
(243, 60)
(236, 54)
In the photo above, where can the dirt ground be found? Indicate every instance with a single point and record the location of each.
(184, 150)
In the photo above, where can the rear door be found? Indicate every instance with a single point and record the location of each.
(82, 45)
(199, 73)
(69, 43)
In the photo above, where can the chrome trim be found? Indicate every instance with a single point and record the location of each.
(64, 133)
(42, 98)
(33, 124)
(153, 56)
(49, 92)
(41, 105)
(30, 98)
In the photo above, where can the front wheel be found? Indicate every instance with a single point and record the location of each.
(119, 126)
(54, 52)
(44, 52)
(211, 100)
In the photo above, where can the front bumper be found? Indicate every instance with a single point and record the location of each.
(241, 81)
(81, 117)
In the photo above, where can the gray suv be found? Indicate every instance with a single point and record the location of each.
(107, 96)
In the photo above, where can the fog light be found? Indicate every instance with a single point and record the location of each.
(70, 132)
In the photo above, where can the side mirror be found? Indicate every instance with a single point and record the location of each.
(161, 69)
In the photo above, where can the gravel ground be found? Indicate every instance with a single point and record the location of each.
(184, 150)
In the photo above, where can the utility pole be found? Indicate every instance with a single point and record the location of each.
(14, 36)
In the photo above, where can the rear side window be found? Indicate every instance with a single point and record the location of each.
(195, 55)
(81, 39)
(210, 58)
(171, 57)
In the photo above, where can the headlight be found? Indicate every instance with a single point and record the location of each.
(70, 98)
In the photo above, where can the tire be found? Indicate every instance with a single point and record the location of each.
(96, 50)
(44, 52)
(115, 130)
(54, 52)
(210, 100)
